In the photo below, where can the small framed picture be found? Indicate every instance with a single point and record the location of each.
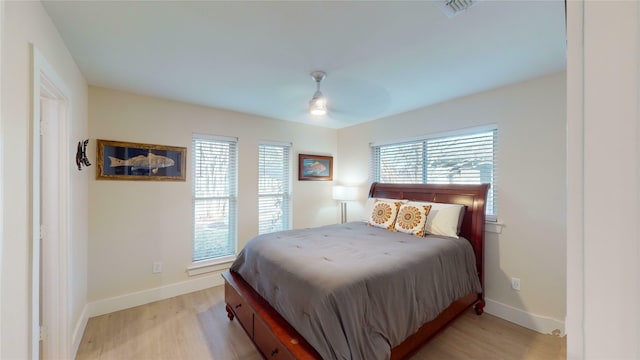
(119, 160)
(315, 167)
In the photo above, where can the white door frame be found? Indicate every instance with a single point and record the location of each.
(46, 83)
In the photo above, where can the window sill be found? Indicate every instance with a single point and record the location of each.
(493, 226)
(203, 267)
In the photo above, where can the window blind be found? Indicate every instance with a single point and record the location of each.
(214, 197)
(459, 159)
(274, 183)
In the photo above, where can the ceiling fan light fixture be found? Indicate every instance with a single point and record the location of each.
(452, 8)
(318, 103)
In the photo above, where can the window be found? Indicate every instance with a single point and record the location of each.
(274, 174)
(458, 159)
(215, 170)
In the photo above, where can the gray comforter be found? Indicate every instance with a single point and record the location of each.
(354, 291)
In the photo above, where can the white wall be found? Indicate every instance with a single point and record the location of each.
(530, 117)
(603, 317)
(133, 223)
(25, 23)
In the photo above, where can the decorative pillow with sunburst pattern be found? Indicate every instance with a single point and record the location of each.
(368, 206)
(412, 219)
(384, 214)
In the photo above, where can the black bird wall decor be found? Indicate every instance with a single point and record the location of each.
(81, 155)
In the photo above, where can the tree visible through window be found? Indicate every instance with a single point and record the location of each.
(461, 159)
(214, 197)
(274, 176)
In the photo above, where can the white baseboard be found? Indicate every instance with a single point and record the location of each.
(539, 323)
(78, 331)
(138, 298)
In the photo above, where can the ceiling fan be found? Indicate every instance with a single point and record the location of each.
(355, 98)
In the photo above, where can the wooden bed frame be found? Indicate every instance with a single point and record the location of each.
(276, 339)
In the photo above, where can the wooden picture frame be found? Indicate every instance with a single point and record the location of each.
(315, 167)
(117, 160)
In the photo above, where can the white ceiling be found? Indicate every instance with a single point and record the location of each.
(381, 58)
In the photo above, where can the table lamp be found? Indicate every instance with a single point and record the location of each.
(344, 194)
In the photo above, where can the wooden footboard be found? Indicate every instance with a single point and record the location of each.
(275, 338)
(433, 327)
(269, 331)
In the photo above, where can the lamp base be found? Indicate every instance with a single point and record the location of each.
(343, 212)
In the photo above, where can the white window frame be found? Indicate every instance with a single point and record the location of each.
(286, 191)
(216, 263)
(492, 214)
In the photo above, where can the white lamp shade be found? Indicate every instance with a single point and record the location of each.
(345, 193)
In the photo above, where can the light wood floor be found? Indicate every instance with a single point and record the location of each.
(195, 326)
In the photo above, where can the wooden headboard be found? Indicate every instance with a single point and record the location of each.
(473, 197)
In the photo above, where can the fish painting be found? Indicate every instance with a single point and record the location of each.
(152, 162)
(316, 168)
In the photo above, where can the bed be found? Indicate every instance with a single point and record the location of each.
(294, 312)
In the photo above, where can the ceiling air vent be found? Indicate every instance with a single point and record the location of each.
(452, 8)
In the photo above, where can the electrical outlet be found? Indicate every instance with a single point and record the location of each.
(515, 284)
(157, 267)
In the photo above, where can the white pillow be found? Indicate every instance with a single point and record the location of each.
(411, 219)
(443, 219)
(368, 206)
(384, 214)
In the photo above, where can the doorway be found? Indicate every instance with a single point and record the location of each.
(50, 307)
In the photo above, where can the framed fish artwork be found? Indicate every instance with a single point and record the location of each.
(119, 160)
(315, 167)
